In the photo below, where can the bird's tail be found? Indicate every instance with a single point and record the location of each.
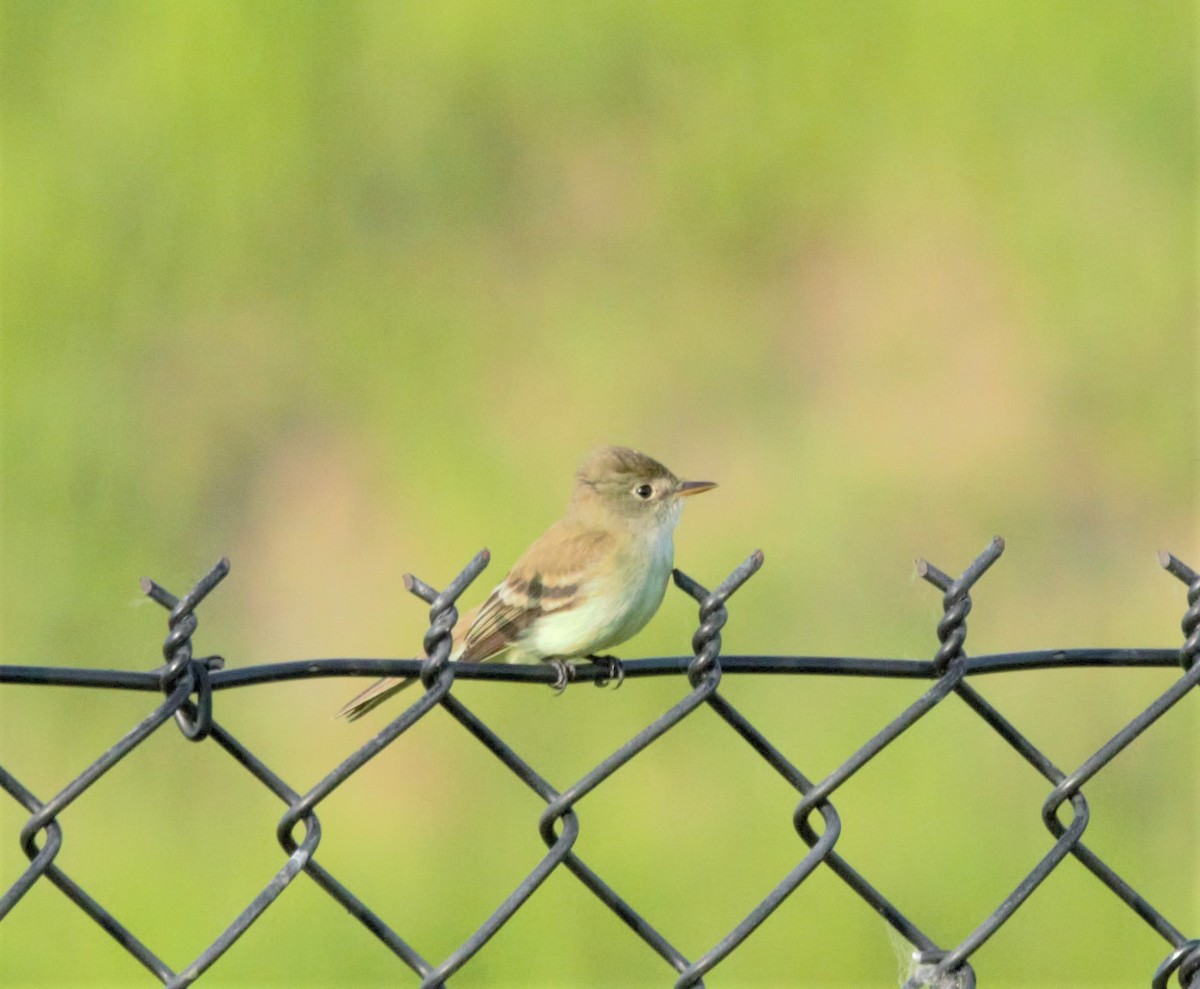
(373, 696)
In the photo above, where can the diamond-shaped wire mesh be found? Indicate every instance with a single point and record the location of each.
(188, 684)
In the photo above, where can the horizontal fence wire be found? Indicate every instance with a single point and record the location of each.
(188, 684)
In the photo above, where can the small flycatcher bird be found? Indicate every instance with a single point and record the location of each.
(591, 581)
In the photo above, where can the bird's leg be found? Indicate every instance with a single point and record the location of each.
(562, 674)
(615, 674)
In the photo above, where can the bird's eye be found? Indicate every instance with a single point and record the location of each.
(643, 491)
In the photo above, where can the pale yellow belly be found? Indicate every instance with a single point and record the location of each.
(610, 615)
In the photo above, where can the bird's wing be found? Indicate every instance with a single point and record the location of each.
(548, 578)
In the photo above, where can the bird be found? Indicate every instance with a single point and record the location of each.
(588, 583)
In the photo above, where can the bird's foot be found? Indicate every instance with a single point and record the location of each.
(615, 674)
(563, 674)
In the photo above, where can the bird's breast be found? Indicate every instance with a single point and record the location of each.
(613, 606)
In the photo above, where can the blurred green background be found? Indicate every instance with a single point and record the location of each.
(347, 290)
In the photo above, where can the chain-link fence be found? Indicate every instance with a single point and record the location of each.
(189, 684)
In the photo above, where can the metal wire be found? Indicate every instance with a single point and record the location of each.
(188, 685)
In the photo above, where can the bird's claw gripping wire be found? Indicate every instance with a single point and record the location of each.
(614, 673)
(563, 674)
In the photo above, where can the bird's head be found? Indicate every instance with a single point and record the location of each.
(632, 487)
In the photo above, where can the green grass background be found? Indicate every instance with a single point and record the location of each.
(347, 290)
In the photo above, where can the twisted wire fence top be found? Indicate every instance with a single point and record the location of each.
(188, 685)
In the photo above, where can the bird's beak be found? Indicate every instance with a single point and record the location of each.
(687, 488)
